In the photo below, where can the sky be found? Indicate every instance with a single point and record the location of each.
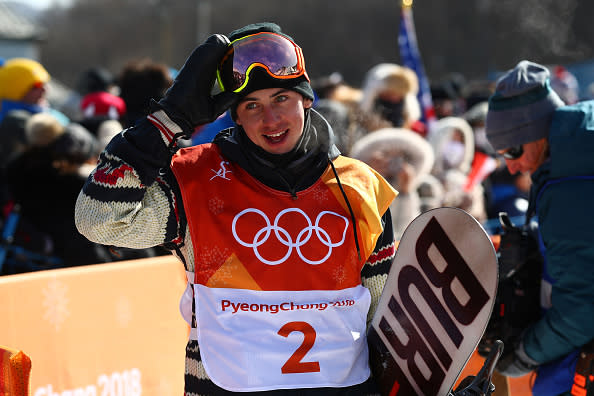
(43, 4)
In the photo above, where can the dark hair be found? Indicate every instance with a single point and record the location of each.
(95, 79)
(140, 81)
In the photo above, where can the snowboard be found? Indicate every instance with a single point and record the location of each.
(435, 306)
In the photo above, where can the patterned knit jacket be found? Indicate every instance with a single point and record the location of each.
(132, 200)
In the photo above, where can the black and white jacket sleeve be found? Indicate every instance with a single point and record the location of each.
(131, 199)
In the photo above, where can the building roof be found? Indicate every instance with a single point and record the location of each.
(15, 25)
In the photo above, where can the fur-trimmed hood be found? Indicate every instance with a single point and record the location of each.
(408, 144)
(441, 134)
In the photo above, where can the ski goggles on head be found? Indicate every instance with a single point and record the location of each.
(275, 53)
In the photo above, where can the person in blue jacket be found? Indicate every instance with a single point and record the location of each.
(530, 126)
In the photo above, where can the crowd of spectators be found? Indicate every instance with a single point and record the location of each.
(48, 152)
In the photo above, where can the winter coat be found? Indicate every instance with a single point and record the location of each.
(561, 196)
(395, 146)
(453, 162)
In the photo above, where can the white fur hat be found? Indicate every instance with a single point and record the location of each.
(414, 147)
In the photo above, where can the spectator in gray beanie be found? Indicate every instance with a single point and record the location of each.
(521, 108)
(529, 125)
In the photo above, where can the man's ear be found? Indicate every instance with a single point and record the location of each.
(307, 103)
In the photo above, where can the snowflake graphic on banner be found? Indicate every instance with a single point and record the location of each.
(55, 301)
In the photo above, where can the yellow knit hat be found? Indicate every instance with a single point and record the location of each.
(18, 76)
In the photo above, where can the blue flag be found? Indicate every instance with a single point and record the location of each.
(411, 58)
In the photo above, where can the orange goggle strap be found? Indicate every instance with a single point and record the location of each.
(300, 66)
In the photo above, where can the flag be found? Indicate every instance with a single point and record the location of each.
(482, 166)
(411, 58)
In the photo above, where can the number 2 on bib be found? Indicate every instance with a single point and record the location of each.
(294, 364)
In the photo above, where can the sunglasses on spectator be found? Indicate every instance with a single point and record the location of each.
(275, 53)
(513, 153)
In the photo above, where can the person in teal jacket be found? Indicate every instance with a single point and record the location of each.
(535, 132)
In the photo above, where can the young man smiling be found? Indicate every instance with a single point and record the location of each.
(273, 119)
(268, 213)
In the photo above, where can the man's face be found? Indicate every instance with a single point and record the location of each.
(533, 156)
(36, 95)
(273, 118)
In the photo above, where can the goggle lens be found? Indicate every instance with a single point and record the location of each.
(513, 153)
(278, 55)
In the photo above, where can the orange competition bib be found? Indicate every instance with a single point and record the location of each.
(279, 300)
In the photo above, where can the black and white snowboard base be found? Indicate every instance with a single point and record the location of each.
(435, 306)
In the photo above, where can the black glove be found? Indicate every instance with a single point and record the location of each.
(516, 363)
(188, 102)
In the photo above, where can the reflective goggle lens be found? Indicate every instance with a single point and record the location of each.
(513, 153)
(278, 55)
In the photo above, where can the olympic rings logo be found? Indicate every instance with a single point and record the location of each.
(285, 238)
